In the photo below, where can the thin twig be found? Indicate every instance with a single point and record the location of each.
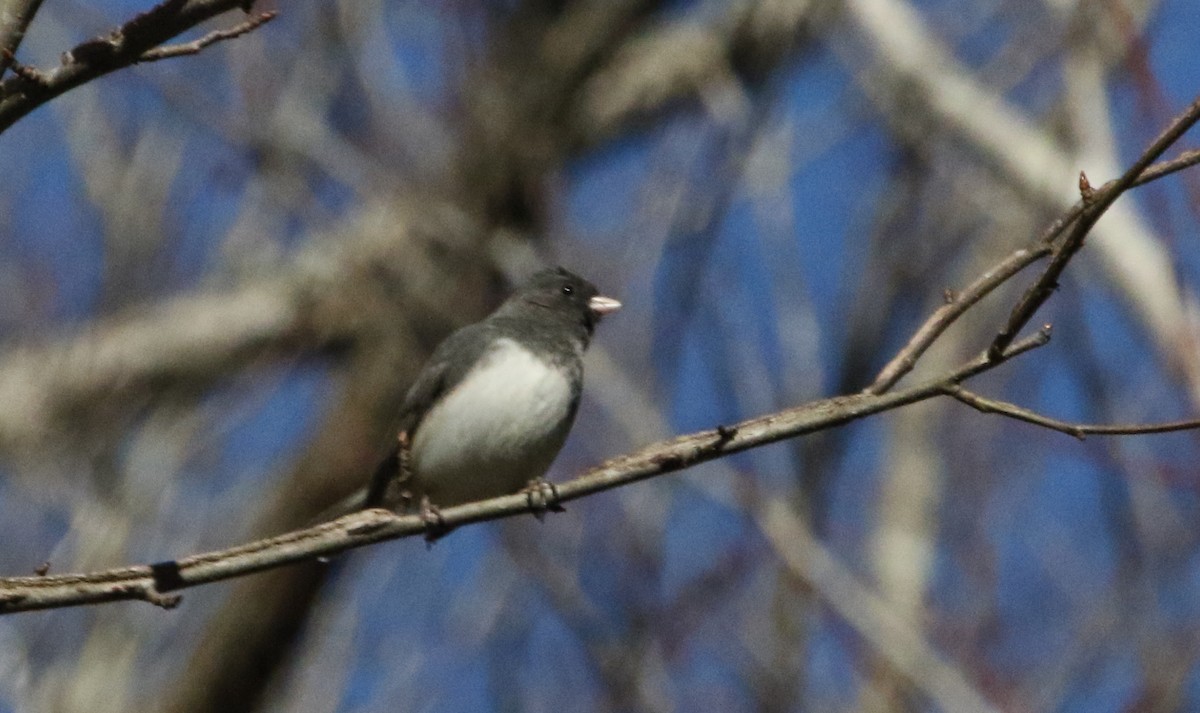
(15, 16)
(1164, 168)
(1078, 430)
(1099, 202)
(143, 582)
(948, 313)
(30, 74)
(1159, 170)
(194, 47)
(121, 47)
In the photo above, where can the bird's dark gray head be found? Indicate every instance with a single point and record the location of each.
(565, 295)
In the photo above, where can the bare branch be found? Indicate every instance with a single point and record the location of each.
(30, 74)
(958, 303)
(124, 46)
(1041, 290)
(1162, 168)
(1078, 430)
(370, 526)
(194, 47)
(15, 16)
(944, 316)
(1153, 173)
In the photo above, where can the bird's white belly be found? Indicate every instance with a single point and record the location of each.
(499, 428)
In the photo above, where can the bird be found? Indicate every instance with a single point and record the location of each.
(492, 407)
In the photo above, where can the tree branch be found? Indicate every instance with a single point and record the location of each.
(1153, 173)
(194, 47)
(125, 45)
(15, 16)
(147, 582)
(1078, 430)
(956, 304)
(1096, 203)
(918, 81)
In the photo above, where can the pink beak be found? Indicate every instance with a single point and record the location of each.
(601, 305)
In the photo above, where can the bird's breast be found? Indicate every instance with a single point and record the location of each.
(498, 428)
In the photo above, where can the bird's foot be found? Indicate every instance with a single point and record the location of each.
(542, 496)
(435, 525)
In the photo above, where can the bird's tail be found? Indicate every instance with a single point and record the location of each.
(377, 492)
(351, 503)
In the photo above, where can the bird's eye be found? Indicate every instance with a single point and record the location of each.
(567, 289)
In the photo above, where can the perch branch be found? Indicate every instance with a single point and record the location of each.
(153, 582)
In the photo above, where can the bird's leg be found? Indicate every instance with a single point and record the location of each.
(435, 525)
(403, 457)
(392, 473)
(542, 496)
(403, 478)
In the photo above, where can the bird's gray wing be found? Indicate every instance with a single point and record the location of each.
(430, 384)
(446, 367)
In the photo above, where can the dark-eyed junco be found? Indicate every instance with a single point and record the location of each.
(493, 405)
